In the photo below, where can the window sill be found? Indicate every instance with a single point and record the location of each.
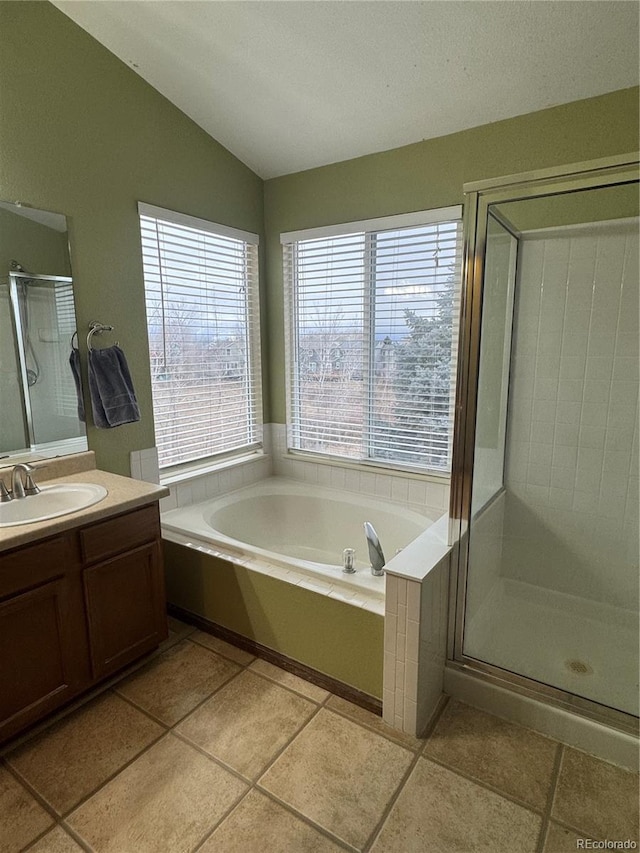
(194, 471)
(372, 466)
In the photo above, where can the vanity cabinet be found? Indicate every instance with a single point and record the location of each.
(43, 648)
(124, 592)
(76, 608)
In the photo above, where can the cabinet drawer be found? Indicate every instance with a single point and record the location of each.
(33, 565)
(116, 535)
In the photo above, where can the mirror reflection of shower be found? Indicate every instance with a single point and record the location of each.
(33, 371)
(44, 323)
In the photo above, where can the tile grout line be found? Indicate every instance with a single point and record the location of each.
(252, 783)
(322, 830)
(263, 790)
(60, 818)
(80, 841)
(482, 784)
(371, 839)
(433, 722)
(397, 741)
(34, 793)
(546, 815)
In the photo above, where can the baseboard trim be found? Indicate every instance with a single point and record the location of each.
(320, 679)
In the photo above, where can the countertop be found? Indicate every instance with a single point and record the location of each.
(123, 494)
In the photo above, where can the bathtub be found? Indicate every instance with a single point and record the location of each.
(297, 532)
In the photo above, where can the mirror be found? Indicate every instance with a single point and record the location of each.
(38, 400)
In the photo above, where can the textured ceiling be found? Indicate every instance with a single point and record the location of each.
(287, 86)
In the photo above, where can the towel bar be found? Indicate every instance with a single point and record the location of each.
(96, 328)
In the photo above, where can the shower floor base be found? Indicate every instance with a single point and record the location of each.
(581, 646)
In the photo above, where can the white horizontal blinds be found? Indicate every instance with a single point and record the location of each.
(372, 320)
(203, 326)
(329, 344)
(417, 273)
(65, 323)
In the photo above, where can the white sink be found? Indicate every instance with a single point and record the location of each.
(52, 501)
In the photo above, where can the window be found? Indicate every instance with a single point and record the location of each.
(373, 309)
(201, 291)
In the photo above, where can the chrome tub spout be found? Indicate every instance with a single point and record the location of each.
(376, 554)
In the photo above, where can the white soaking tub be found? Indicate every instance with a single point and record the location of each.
(297, 532)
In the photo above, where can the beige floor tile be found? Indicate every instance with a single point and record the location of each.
(441, 812)
(510, 758)
(226, 649)
(561, 840)
(56, 841)
(340, 775)
(247, 722)
(174, 683)
(373, 721)
(258, 825)
(21, 818)
(596, 797)
(288, 679)
(165, 802)
(76, 755)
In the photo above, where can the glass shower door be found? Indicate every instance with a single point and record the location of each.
(552, 577)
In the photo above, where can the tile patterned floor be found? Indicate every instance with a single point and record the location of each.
(208, 749)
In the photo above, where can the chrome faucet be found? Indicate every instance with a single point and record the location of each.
(20, 489)
(376, 554)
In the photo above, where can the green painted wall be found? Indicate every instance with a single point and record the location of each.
(431, 174)
(342, 641)
(82, 134)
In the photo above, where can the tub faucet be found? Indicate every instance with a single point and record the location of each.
(376, 554)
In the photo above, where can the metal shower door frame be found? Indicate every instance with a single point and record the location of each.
(479, 196)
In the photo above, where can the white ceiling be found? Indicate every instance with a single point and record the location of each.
(291, 85)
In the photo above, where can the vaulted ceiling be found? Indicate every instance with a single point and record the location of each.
(291, 85)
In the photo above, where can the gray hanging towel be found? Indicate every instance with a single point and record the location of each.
(74, 364)
(113, 399)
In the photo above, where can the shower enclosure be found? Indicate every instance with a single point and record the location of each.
(545, 483)
(40, 404)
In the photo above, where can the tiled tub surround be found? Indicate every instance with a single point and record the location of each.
(311, 612)
(411, 490)
(297, 533)
(414, 494)
(415, 630)
(208, 749)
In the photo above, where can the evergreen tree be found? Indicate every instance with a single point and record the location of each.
(422, 378)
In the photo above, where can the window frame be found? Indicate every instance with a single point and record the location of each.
(370, 228)
(173, 472)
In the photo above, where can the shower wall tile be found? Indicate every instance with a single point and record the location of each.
(572, 438)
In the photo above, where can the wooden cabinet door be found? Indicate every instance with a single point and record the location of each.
(39, 661)
(124, 598)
